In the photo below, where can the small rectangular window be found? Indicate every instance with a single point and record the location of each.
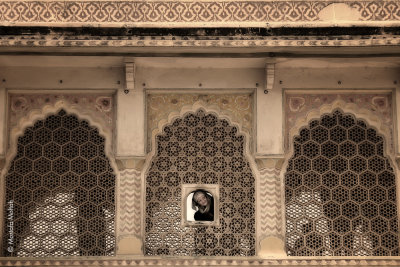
(200, 204)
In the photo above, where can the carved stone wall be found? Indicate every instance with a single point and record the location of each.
(59, 40)
(239, 107)
(298, 106)
(61, 189)
(99, 106)
(200, 149)
(259, 13)
(130, 203)
(340, 191)
(271, 209)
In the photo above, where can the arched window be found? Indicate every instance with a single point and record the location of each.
(200, 149)
(340, 191)
(59, 192)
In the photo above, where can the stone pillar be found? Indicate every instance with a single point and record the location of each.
(397, 123)
(3, 109)
(271, 222)
(130, 151)
(269, 159)
(130, 134)
(129, 206)
(269, 140)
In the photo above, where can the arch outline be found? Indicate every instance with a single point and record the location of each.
(222, 115)
(42, 113)
(369, 117)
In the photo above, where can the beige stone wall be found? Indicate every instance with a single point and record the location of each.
(164, 88)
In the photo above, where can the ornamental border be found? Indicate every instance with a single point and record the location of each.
(190, 41)
(145, 261)
(189, 13)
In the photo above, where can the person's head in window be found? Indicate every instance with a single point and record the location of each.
(203, 203)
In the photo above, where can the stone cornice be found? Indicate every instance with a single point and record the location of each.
(199, 13)
(147, 261)
(204, 41)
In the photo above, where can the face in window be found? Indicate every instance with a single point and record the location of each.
(201, 199)
(203, 203)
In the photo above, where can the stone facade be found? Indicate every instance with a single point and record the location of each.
(139, 85)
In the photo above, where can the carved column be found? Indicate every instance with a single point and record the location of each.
(3, 109)
(269, 115)
(130, 150)
(130, 199)
(130, 132)
(271, 223)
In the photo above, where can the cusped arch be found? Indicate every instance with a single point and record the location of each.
(214, 109)
(368, 115)
(198, 147)
(66, 193)
(340, 190)
(50, 109)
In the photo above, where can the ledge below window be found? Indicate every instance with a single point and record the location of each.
(210, 261)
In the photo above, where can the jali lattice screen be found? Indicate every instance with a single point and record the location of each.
(340, 191)
(200, 149)
(60, 192)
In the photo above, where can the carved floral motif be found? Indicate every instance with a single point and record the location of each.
(83, 12)
(298, 105)
(22, 104)
(53, 40)
(239, 107)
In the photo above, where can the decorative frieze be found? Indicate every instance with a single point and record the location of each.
(251, 261)
(187, 13)
(54, 40)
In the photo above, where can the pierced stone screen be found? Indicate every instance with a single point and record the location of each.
(340, 191)
(59, 192)
(200, 149)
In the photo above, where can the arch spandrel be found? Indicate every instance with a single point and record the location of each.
(374, 108)
(237, 107)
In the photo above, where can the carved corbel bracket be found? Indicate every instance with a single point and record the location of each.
(129, 75)
(130, 163)
(270, 163)
(269, 74)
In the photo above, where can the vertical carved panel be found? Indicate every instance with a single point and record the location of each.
(130, 200)
(271, 203)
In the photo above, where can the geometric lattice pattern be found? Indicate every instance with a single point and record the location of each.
(61, 185)
(340, 191)
(200, 149)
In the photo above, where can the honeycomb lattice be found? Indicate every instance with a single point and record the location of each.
(60, 192)
(200, 149)
(340, 191)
